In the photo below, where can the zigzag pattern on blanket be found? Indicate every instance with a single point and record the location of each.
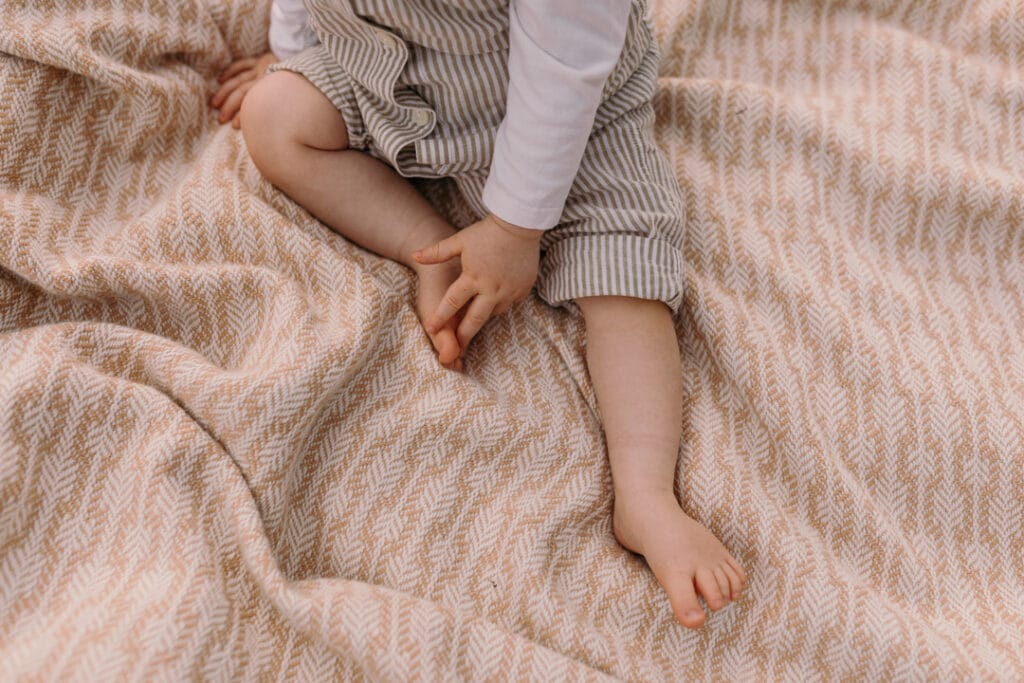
(227, 451)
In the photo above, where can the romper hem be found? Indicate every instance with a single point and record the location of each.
(612, 265)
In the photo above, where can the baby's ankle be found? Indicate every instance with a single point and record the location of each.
(643, 466)
(637, 511)
(644, 499)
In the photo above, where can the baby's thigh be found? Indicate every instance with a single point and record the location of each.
(285, 108)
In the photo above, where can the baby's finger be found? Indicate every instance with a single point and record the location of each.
(222, 92)
(236, 67)
(236, 122)
(234, 103)
(455, 298)
(477, 315)
(442, 251)
(228, 88)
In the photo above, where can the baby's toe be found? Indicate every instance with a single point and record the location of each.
(684, 601)
(738, 569)
(724, 584)
(707, 584)
(735, 581)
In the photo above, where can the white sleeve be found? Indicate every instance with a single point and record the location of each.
(560, 55)
(290, 33)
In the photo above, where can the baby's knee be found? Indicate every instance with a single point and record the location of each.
(264, 122)
(283, 114)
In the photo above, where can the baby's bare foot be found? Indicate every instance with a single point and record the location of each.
(685, 557)
(433, 283)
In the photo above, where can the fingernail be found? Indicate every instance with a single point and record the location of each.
(694, 614)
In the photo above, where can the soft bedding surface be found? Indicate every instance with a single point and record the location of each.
(227, 450)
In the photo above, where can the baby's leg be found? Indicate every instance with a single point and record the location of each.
(298, 140)
(633, 357)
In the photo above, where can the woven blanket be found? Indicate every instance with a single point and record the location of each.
(227, 451)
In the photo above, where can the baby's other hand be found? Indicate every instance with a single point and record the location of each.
(235, 83)
(499, 266)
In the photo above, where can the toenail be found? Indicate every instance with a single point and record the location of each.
(694, 614)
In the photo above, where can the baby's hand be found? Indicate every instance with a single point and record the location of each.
(235, 83)
(499, 267)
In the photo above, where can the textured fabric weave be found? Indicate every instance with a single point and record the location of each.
(227, 451)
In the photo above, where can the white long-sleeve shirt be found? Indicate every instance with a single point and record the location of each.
(561, 52)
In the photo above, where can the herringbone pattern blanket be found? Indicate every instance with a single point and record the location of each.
(228, 453)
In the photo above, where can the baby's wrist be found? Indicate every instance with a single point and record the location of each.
(517, 230)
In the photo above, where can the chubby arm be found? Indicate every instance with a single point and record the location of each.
(560, 56)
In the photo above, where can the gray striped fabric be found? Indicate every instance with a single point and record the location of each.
(422, 86)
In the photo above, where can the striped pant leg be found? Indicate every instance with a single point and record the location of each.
(621, 231)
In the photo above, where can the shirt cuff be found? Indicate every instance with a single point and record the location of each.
(506, 206)
(290, 32)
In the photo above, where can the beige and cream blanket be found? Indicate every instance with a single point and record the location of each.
(228, 453)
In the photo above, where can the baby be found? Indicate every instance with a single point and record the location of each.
(541, 112)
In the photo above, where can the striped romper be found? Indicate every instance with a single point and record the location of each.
(429, 104)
